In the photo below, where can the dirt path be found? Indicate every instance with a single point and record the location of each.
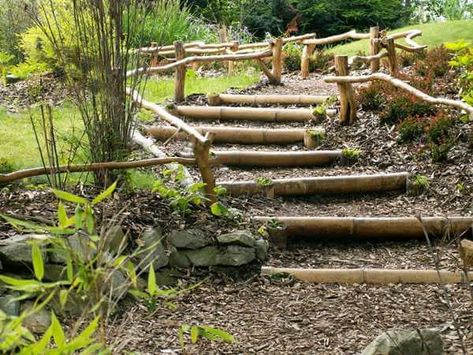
(271, 317)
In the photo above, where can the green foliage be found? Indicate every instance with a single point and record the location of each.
(292, 56)
(371, 98)
(439, 128)
(403, 105)
(169, 21)
(463, 60)
(263, 181)
(419, 184)
(320, 111)
(352, 154)
(435, 63)
(201, 331)
(320, 60)
(411, 129)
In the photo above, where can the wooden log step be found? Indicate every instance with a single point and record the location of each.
(276, 159)
(320, 185)
(372, 228)
(235, 135)
(229, 99)
(224, 113)
(372, 276)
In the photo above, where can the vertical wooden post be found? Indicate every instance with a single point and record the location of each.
(348, 105)
(202, 157)
(180, 80)
(374, 48)
(154, 55)
(305, 59)
(231, 64)
(391, 48)
(277, 60)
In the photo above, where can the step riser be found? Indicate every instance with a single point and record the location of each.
(401, 228)
(322, 185)
(216, 100)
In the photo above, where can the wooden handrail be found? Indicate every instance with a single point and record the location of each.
(114, 165)
(201, 59)
(165, 115)
(337, 38)
(404, 86)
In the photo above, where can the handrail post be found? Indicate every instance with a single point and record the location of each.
(391, 48)
(276, 47)
(154, 56)
(374, 48)
(348, 105)
(180, 79)
(202, 158)
(231, 64)
(305, 59)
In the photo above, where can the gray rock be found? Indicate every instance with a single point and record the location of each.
(37, 322)
(77, 244)
(152, 250)
(17, 249)
(9, 305)
(207, 256)
(399, 342)
(179, 259)
(262, 247)
(75, 305)
(243, 238)
(11, 79)
(235, 255)
(189, 239)
(116, 239)
(55, 272)
(118, 285)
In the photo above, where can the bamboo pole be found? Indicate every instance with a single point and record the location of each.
(165, 115)
(307, 52)
(323, 185)
(277, 61)
(180, 81)
(257, 100)
(276, 159)
(348, 105)
(299, 38)
(337, 38)
(393, 67)
(225, 113)
(404, 86)
(27, 173)
(372, 276)
(367, 59)
(372, 228)
(374, 48)
(235, 135)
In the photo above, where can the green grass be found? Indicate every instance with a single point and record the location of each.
(158, 90)
(433, 34)
(18, 145)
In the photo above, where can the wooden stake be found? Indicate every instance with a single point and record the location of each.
(154, 57)
(374, 48)
(391, 48)
(277, 61)
(305, 59)
(466, 252)
(202, 158)
(231, 64)
(348, 106)
(179, 88)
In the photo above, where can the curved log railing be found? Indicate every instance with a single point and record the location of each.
(404, 86)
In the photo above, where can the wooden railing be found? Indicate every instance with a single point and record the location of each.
(378, 41)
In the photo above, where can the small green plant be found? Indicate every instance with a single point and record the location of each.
(263, 181)
(202, 331)
(439, 152)
(292, 56)
(460, 187)
(6, 166)
(320, 111)
(274, 223)
(420, 184)
(411, 130)
(220, 190)
(352, 154)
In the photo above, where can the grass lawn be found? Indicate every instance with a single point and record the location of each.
(433, 34)
(18, 145)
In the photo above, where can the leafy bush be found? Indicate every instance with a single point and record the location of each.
(170, 21)
(320, 61)
(411, 129)
(371, 98)
(439, 128)
(292, 56)
(403, 106)
(463, 61)
(435, 63)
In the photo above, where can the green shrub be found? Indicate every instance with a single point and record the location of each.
(439, 129)
(292, 56)
(411, 129)
(403, 106)
(463, 61)
(372, 97)
(435, 63)
(439, 152)
(320, 61)
(419, 184)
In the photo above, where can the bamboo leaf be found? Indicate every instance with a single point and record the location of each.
(152, 287)
(57, 331)
(66, 196)
(62, 215)
(38, 262)
(195, 334)
(109, 191)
